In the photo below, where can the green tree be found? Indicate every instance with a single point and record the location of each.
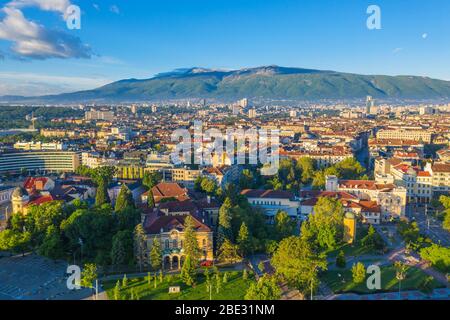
(225, 277)
(218, 281)
(150, 199)
(445, 201)
(151, 179)
(358, 273)
(209, 186)
(140, 246)
(102, 195)
(266, 288)
(229, 252)
(246, 179)
(52, 246)
(89, 275)
(373, 240)
(225, 216)
(188, 272)
(306, 167)
(438, 256)
(122, 248)
(325, 227)
(190, 246)
(124, 281)
(124, 199)
(156, 254)
(340, 260)
(297, 263)
(243, 240)
(116, 292)
(41, 217)
(103, 177)
(17, 242)
(284, 226)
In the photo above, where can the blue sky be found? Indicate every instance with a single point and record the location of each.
(137, 39)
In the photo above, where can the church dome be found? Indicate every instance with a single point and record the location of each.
(19, 193)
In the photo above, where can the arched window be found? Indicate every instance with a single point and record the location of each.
(175, 243)
(167, 244)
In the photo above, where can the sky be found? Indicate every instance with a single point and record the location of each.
(121, 39)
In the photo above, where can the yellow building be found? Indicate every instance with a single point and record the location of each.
(349, 228)
(169, 231)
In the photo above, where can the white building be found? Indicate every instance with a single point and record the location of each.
(272, 201)
(54, 146)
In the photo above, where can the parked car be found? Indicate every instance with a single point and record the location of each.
(206, 263)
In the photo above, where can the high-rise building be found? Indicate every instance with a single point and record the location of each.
(293, 114)
(370, 103)
(243, 103)
(252, 113)
(154, 108)
(134, 109)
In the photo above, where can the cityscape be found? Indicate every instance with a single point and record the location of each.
(243, 183)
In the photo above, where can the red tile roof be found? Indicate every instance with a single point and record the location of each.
(441, 167)
(30, 183)
(167, 223)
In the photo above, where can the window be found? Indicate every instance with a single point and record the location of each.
(167, 244)
(175, 243)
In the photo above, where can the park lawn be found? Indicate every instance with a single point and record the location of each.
(356, 249)
(234, 289)
(389, 282)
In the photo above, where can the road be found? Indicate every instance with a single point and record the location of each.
(430, 226)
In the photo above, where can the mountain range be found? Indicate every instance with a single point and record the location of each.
(268, 82)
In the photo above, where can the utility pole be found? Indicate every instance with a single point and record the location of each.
(96, 289)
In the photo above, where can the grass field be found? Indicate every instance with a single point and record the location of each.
(234, 289)
(356, 249)
(344, 283)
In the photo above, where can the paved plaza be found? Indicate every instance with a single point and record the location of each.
(36, 278)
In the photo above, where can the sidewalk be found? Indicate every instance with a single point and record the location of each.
(438, 294)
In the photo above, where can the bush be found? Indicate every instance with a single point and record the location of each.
(438, 256)
(340, 260)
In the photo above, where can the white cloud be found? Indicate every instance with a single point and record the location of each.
(425, 35)
(115, 9)
(47, 5)
(31, 84)
(96, 6)
(397, 50)
(34, 41)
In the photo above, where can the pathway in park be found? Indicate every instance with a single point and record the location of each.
(438, 294)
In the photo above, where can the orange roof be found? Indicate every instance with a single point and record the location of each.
(423, 174)
(40, 200)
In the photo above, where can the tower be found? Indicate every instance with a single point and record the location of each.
(370, 103)
(331, 183)
(349, 228)
(19, 199)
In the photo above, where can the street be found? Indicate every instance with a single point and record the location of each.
(430, 226)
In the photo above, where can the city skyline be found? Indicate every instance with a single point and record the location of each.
(160, 37)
